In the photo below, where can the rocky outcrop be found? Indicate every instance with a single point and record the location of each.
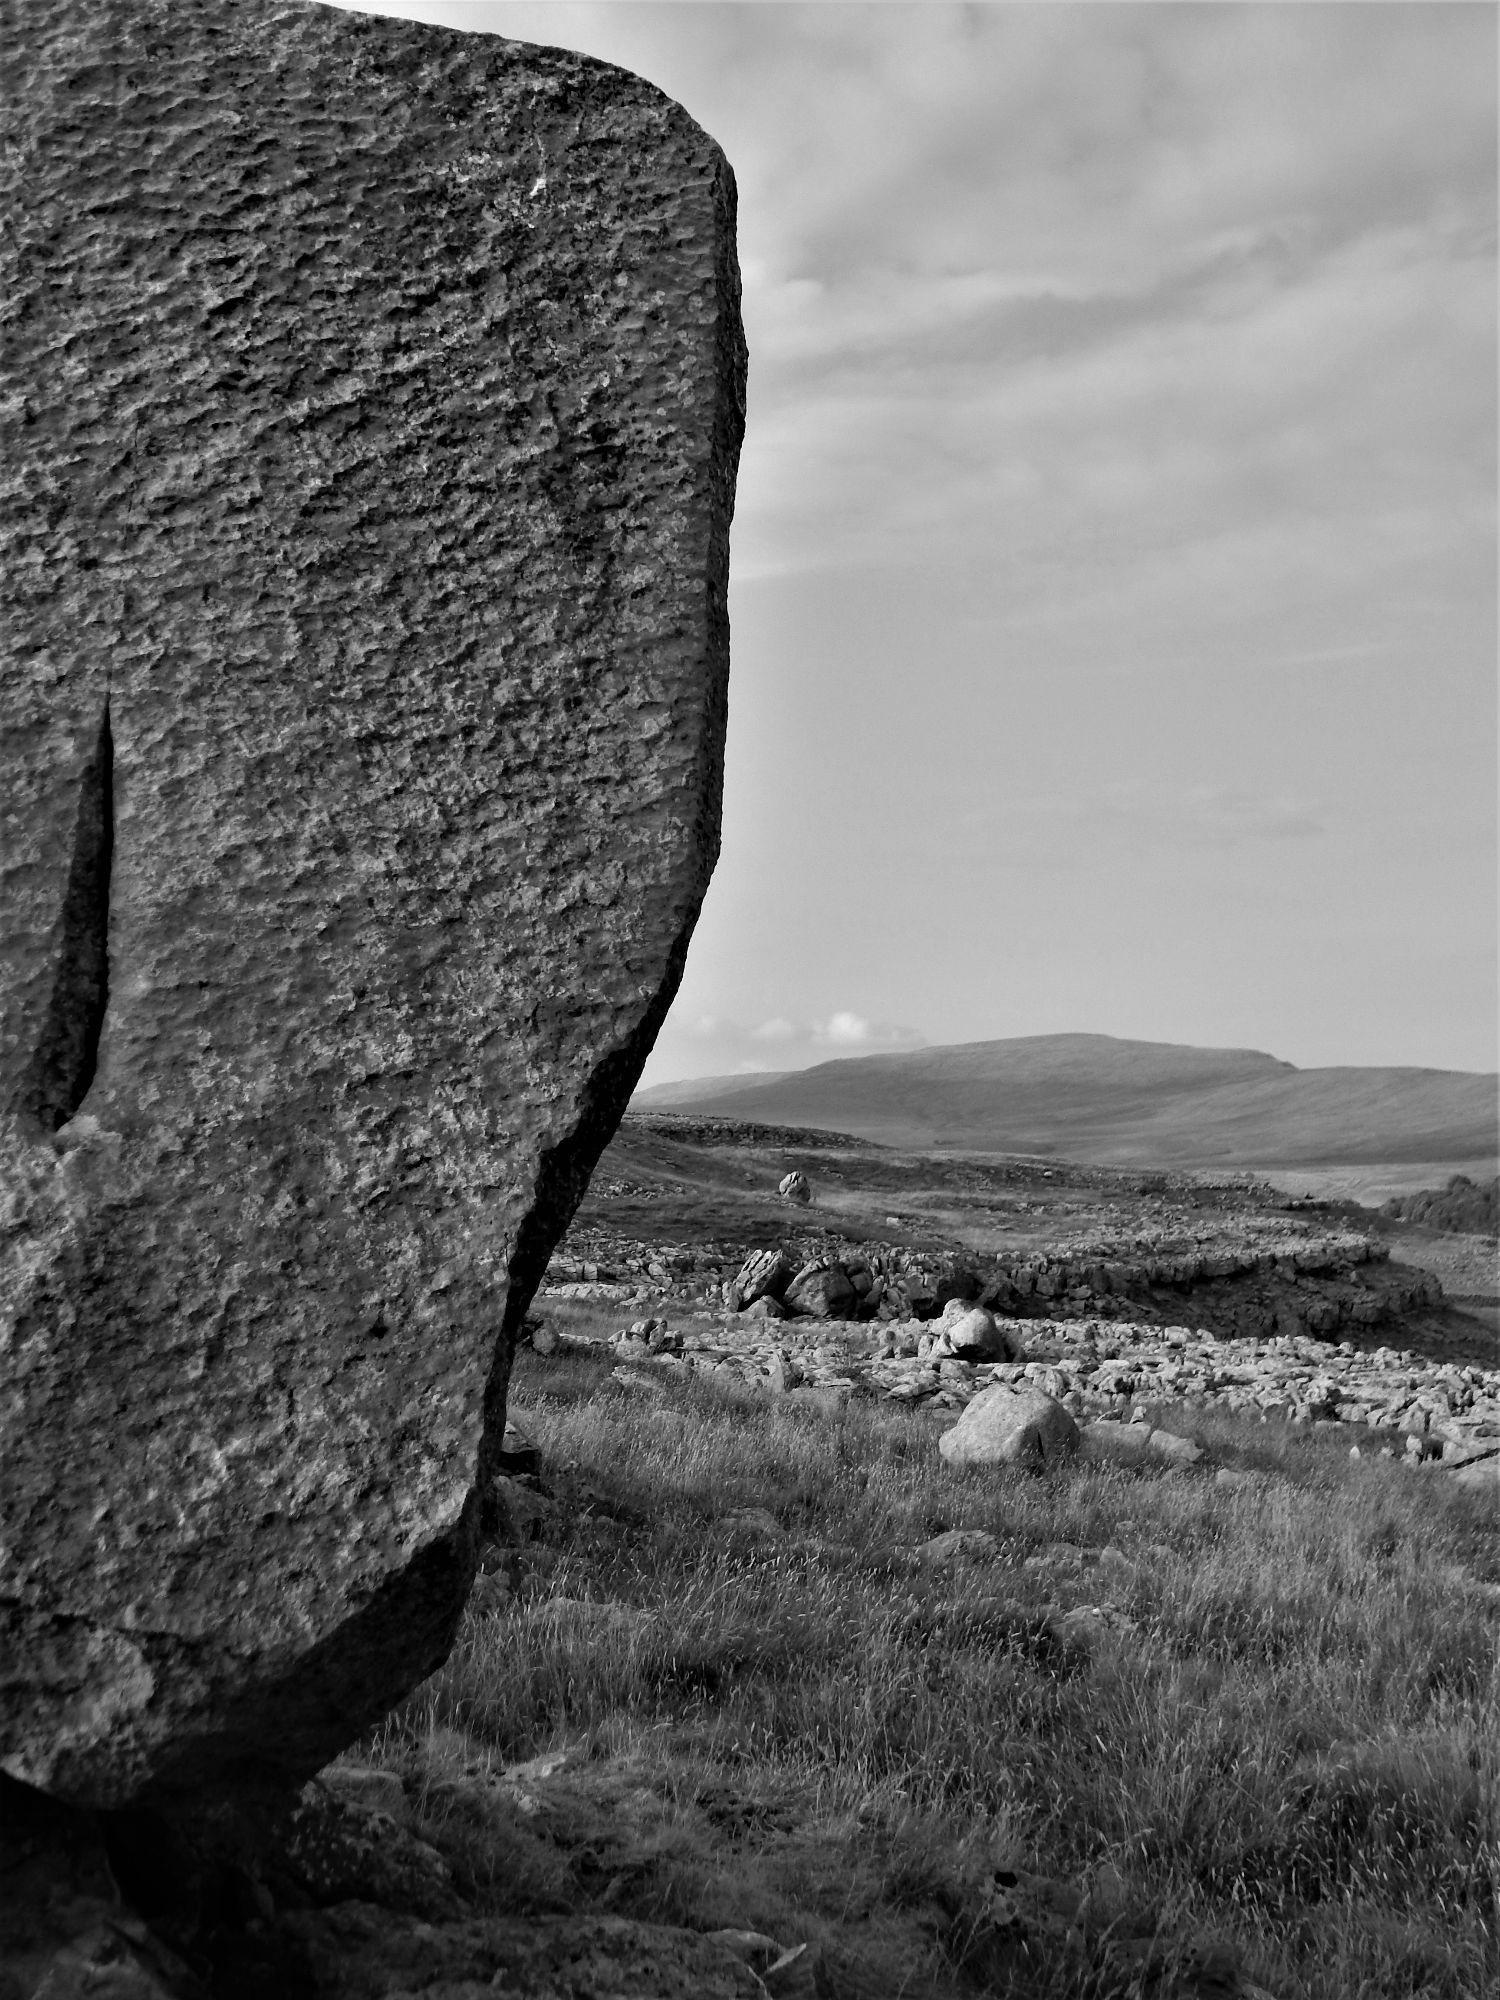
(1463, 1206)
(1279, 1281)
(374, 399)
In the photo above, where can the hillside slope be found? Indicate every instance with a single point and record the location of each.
(1098, 1098)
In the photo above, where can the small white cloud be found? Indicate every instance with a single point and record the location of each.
(716, 1045)
(778, 1029)
(847, 1028)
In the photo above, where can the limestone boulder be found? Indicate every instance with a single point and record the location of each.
(369, 446)
(1112, 1438)
(1176, 1450)
(971, 1333)
(1006, 1426)
(764, 1274)
(794, 1187)
(822, 1291)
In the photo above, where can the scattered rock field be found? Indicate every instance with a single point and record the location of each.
(1102, 1371)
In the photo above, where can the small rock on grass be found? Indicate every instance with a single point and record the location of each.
(1088, 1622)
(1139, 1441)
(491, 1595)
(753, 1521)
(594, 1615)
(1132, 1440)
(960, 1545)
(639, 1379)
(1175, 1450)
(338, 1847)
(517, 1451)
(368, 1790)
(1236, 1478)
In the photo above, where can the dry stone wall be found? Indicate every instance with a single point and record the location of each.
(373, 399)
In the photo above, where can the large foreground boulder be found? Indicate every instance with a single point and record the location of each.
(1006, 1426)
(374, 396)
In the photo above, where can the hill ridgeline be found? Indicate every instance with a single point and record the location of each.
(1098, 1098)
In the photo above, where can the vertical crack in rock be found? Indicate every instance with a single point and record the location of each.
(58, 1077)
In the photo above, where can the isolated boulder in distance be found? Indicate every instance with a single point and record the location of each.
(374, 401)
(794, 1187)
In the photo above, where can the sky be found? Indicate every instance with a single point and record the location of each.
(1113, 577)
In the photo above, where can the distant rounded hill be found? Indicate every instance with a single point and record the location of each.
(1096, 1098)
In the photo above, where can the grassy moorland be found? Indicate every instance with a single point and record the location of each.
(1164, 1734)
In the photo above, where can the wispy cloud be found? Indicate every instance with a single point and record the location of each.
(1143, 816)
(711, 1045)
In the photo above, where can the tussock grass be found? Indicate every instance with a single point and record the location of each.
(1286, 1739)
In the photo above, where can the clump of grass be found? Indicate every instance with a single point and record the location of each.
(1285, 1739)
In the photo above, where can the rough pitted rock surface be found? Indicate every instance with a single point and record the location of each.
(374, 397)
